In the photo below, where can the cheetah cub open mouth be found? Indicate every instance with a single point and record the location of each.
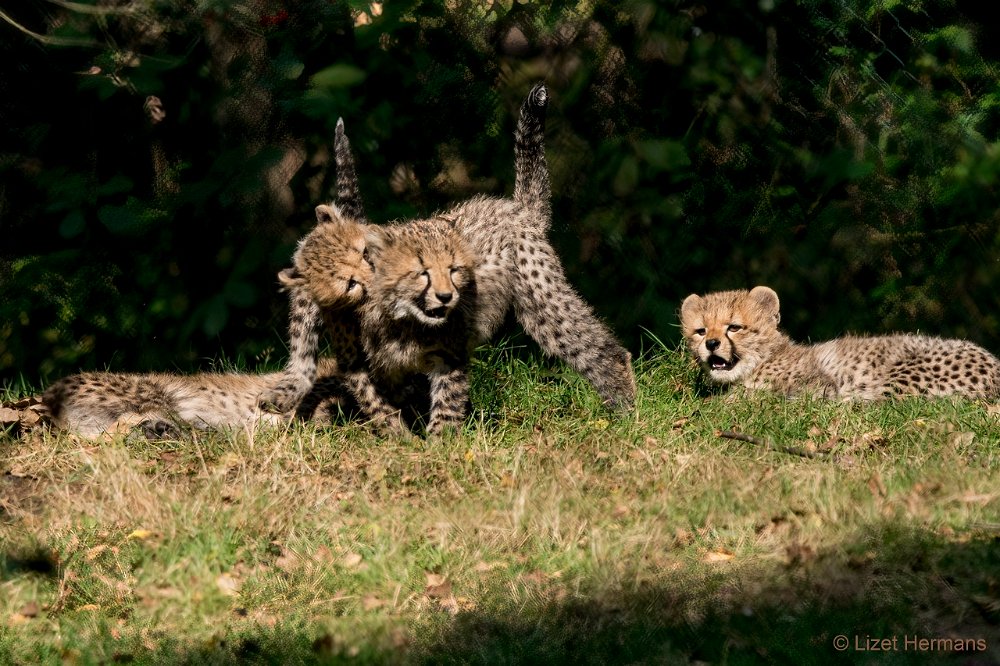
(439, 312)
(718, 363)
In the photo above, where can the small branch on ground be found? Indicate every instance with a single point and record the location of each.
(743, 437)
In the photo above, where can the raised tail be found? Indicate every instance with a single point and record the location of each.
(348, 192)
(531, 171)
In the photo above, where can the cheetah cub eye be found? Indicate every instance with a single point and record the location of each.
(732, 328)
(699, 331)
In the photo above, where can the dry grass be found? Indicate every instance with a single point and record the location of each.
(547, 531)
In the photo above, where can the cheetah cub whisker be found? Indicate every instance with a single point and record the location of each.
(735, 337)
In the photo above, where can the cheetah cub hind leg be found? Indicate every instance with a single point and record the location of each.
(565, 326)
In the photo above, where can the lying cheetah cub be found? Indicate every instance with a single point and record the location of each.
(163, 405)
(735, 336)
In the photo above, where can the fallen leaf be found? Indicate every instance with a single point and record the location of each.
(620, 511)
(438, 586)
(93, 553)
(799, 553)
(29, 609)
(287, 561)
(961, 438)
(978, 498)
(228, 585)
(9, 416)
(449, 604)
(371, 602)
(88, 607)
(485, 567)
(140, 534)
(875, 485)
(30, 402)
(350, 560)
(323, 555)
(717, 556)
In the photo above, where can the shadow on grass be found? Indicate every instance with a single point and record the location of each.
(904, 586)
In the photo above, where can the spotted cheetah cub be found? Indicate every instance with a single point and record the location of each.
(162, 405)
(734, 334)
(418, 314)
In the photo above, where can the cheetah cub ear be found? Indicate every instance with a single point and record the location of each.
(376, 240)
(690, 305)
(329, 213)
(290, 278)
(767, 299)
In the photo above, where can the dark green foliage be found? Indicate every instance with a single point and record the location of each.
(845, 153)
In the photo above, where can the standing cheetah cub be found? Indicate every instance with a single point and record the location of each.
(734, 334)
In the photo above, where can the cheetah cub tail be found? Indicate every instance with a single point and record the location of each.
(348, 195)
(531, 172)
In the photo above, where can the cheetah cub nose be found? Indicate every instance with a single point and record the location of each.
(444, 298)
(712, 344)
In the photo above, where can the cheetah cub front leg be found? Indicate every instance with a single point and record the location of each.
(300, 373)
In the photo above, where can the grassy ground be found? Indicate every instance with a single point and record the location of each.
(549, 531)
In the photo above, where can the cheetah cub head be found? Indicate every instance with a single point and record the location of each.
(332, 261)
(731, 332)
(424, 272)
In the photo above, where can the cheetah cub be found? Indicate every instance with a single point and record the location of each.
(735, 336)
(418, 314)
(161, 406)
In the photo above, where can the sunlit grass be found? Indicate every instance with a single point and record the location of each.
(548, 530)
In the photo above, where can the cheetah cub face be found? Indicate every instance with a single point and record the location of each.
(731, 332)
(424, 272)
(332, 261)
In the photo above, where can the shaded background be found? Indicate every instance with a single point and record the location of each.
(159, 159)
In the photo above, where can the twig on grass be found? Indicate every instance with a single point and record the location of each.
(743, 437)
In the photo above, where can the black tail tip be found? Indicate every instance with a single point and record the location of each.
(539, 95)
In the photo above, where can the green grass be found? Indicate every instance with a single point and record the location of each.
(548, 531)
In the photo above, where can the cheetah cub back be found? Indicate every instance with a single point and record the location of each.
(735, 336)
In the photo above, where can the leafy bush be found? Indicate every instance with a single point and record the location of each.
(162, 157)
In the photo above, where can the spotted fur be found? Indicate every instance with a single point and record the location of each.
(735, 336)
(165, 405)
